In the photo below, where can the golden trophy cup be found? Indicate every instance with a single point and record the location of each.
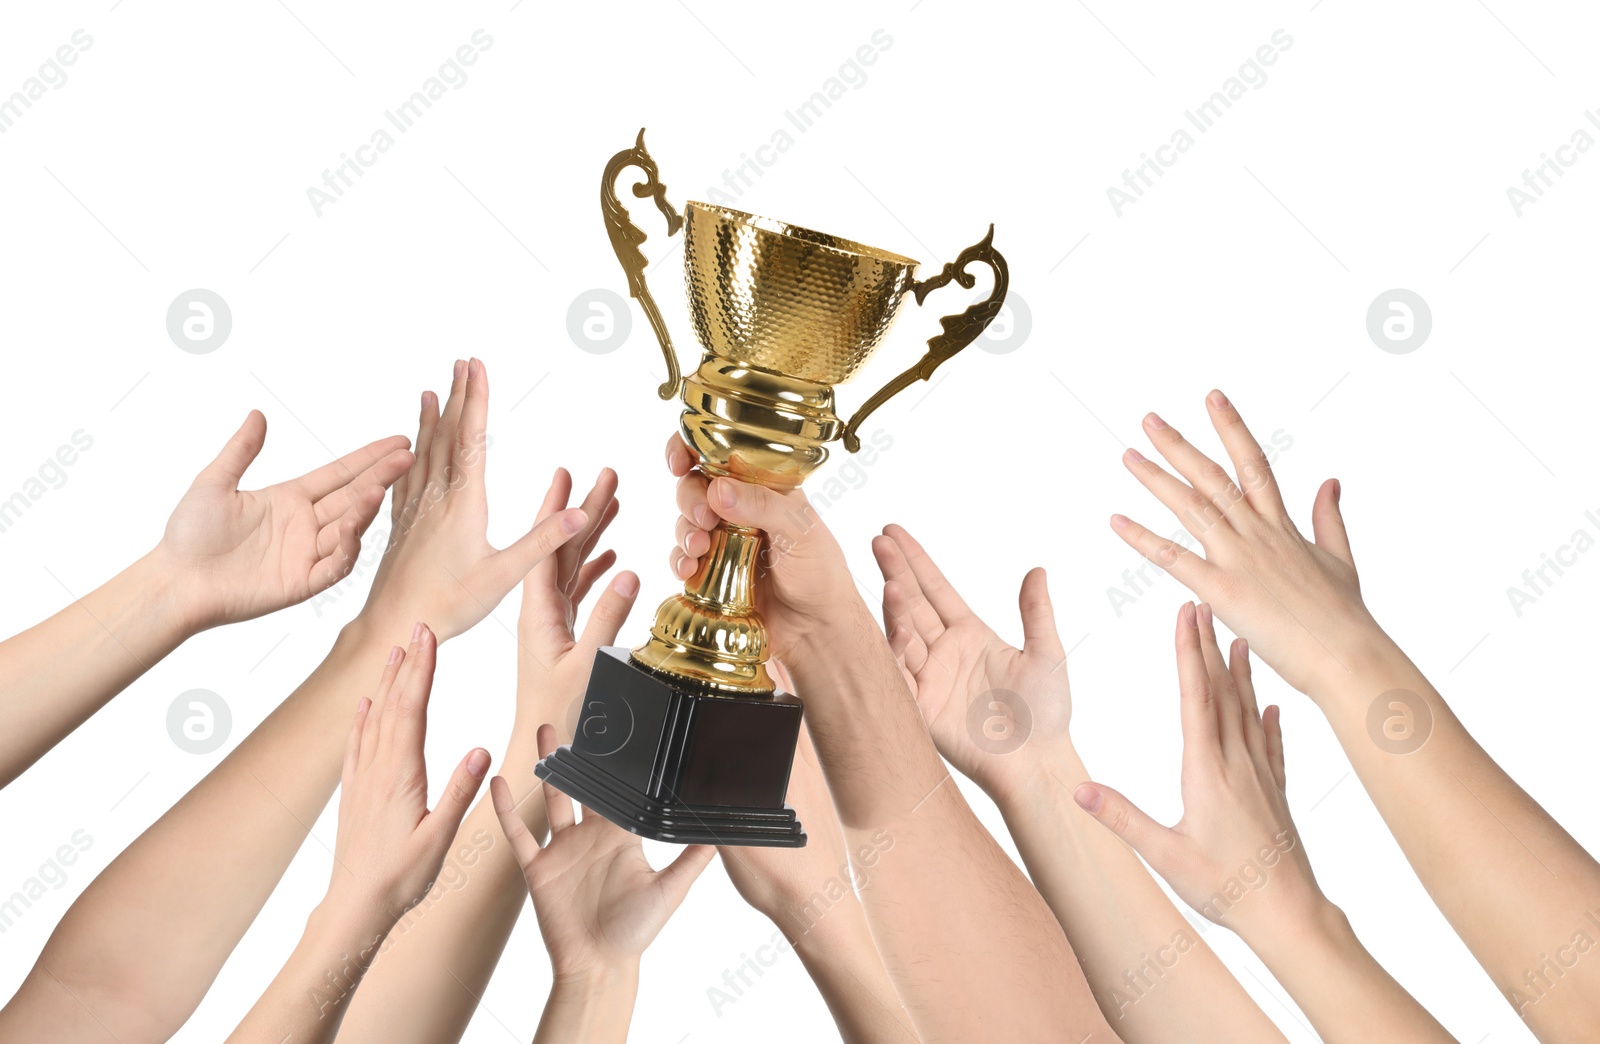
(685, 738)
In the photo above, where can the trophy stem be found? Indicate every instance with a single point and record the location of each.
(711, 634)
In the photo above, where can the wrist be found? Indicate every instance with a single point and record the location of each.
(167, 589)
(1321, 928)
(595, 979)
(353, 929)
(1043, 780)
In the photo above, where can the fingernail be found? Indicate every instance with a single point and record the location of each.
(1205, 613)
(725, 494)
(626, 585)
(1338, 490)
(1217, 399)
(704, 518)
(1244, 648)
(363, 703)
(1154, 420)
(573, 521)
(460, 368)
(1133, 456)
(416, 633)
(394, 654)
(1119, 521)
(1088, 797)
(477, 763)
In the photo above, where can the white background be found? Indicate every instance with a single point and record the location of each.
(1376, 155)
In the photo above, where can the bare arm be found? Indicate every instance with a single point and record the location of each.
(1154, 978)
(1511, 881)
(226, 555)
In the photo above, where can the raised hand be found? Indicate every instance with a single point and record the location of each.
(1298, 600)
(439, 565)
(236, 554)
(598, 901)
(390, 847)
(803, 575)
(1236, 856)
(974, 690)
(388, 853)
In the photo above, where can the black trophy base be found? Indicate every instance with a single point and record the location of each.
(673, 762)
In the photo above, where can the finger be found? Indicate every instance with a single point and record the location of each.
(1250, 464)
(680, 458)
(405, 722)
(539, 587)
(380, 700)
(1205, 475)
(1244, 684)
(444, 433)
(1272, 728)
(1125, 819)
(352, 746)
(523, 844)
(417, 478)
(909, 647)
(1230, 719)
(340, 557)
(944, 598)
(239, 452)
(1188, 568)
(360, 510)
(591, 572)
(353, 465)
(595, 505)
(445, 819)
(909, 607)
(467, 450)
(1327, 522)
(694, 540)
(609, 613)
(1202, 743)
(675, 878)
(377, 477)
(1038, 616)
(692, 496)
(608, 515)
(508, 567)
(1194, 509)
(557, 806)
(746, 504)
(682, 566)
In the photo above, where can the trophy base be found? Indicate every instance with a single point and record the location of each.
(669, 761)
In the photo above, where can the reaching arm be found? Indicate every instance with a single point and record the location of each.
(389, 849)
(1126, 932)
(425, 985)
(140, 947)
(1236, 856)
(227, 555)
(1510, 880)
(599, 906)
(992, 964)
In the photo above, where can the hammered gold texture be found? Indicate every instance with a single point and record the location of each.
(786, 299)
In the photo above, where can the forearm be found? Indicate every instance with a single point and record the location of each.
(596, 1009)
(1531, 888)
(436, 963)
(62, 671)
(1152, 975)
(1343, 991)
(834, 943)
(895, 797)
(143, 943)
(308, 997)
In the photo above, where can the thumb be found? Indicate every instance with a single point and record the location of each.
(1038, 616)
(745, 504)
(240, 451)
(1327, 523)
(675, 878)
(1123, 818)
(445, 819)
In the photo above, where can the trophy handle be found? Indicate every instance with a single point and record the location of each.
(959, 330)
(626, 237)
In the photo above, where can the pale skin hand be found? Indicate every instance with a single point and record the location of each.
(227, 555)
(463, 926)
(1515, 886)
(957, 973)
(807, 893)
(1236, 857)
(599, 905)
(1114, 913)
(135, 954)
(388, 851)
